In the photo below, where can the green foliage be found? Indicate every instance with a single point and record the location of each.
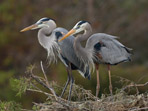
(35, 107)
(10, 106)
(20, 85)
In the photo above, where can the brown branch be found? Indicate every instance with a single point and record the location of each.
(37, 79)
(39, 91)
(135, 85)
(139, 109)
(47, 86)
(46, 80)
(26, 110)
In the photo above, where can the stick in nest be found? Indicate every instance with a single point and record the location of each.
(46, 84)
(135, 85)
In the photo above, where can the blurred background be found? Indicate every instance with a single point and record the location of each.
(127, 19)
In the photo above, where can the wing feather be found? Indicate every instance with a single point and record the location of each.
(112, 52)
(67, 51)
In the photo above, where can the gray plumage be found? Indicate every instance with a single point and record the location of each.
(100, 48)
(67, 51)
(111, 51)
(48, 39)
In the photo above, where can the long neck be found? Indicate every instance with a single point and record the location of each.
(85, 54)
(47, 39)
(43, 37)
(82, 51)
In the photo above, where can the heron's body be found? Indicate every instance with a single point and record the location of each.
(107, 49)
(100, 48)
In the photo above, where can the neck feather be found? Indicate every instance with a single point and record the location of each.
(44, 35)
(84, 53)
(47, 39)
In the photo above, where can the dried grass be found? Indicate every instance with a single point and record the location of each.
(84, 100)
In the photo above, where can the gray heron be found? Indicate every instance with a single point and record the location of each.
(48, 36)
(100, 48)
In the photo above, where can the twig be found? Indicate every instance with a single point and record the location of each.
(135, 85)
(46, 80)
(38, 80)
(60, 100)
(139, 109)
(40, 91)
(26, 110)
(141, 85)
(141, 78)
(40, 104)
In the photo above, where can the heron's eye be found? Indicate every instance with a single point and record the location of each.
(44, 22)
(39, 22)
(78, 27)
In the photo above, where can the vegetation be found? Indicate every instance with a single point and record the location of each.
(82, 99)
(10, 106)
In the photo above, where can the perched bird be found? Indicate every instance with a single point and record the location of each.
(100, 48)
(48, 36)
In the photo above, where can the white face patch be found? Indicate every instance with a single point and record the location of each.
(79, 30)
(75, 26)
(44, 22)
(80, 26)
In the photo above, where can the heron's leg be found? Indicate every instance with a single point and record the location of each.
(98, 81)
(110, 82)
(70, 90)
(71, 83)
(68, 80)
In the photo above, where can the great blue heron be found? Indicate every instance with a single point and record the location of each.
(48, 37)
(100, 48)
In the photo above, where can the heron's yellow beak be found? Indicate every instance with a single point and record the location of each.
(68, 34)
(29, 28)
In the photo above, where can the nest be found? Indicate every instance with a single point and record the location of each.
(82, 99)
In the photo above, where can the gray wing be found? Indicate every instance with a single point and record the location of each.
(67, 52)
(66, 47)
(108, 50)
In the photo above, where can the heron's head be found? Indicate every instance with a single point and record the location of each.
(43, 22)
(79, 27)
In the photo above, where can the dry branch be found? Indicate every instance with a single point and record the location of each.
(86, 101)
(47, 83)
(37, 79)
(135, 85)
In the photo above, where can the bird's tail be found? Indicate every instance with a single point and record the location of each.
(85, 73)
